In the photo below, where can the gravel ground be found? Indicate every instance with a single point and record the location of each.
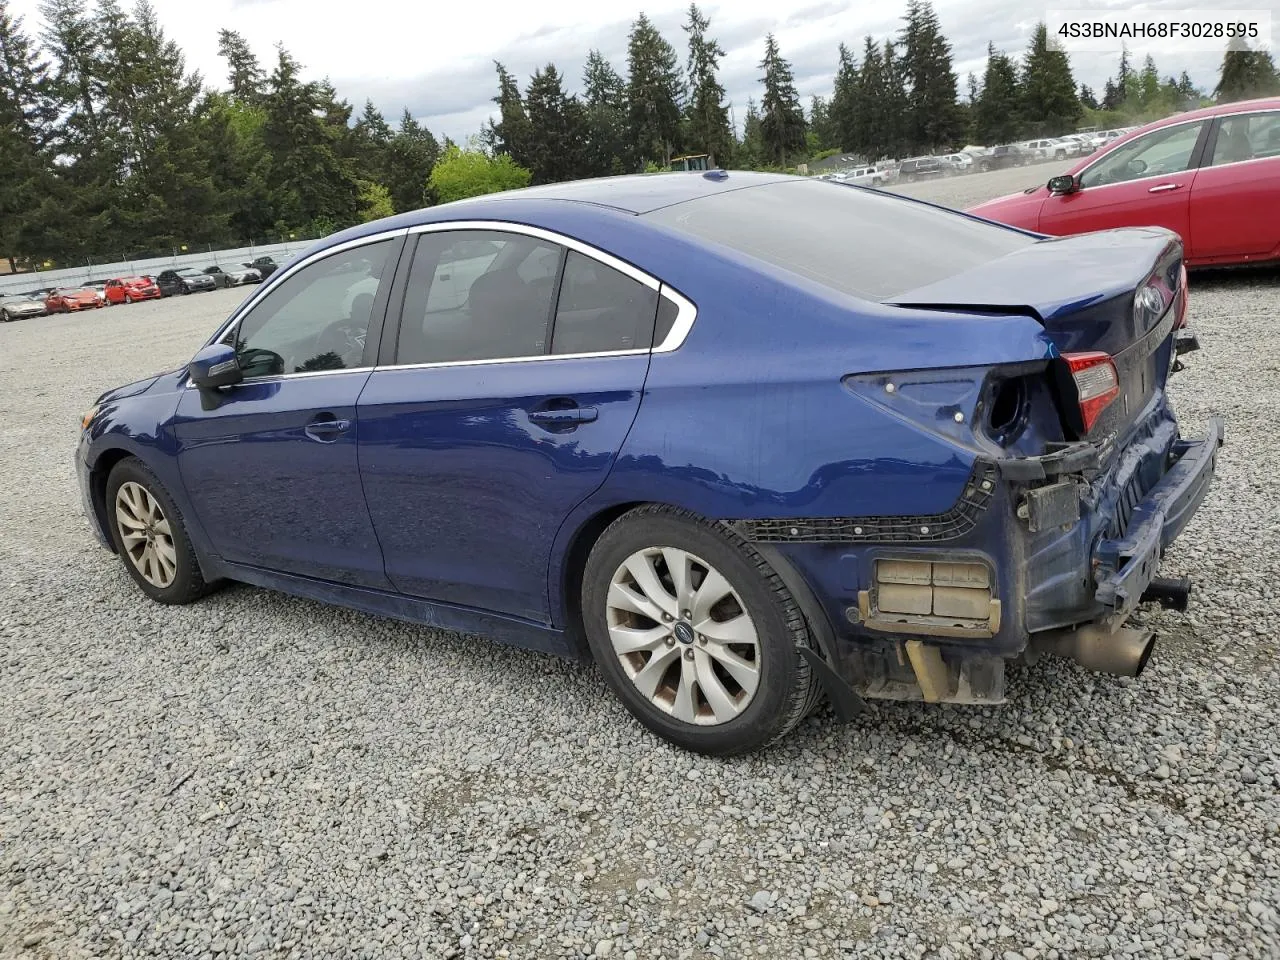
(260, 776)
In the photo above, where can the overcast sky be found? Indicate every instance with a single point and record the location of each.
(437, 59)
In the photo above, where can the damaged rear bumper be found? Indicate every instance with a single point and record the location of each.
(1126, 566)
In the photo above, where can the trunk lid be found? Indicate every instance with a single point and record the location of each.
(1117, 292)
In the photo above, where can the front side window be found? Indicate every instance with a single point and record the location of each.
(1249, 136)
(317, 319)
(478, 295)
(1159, 153)
(600, 309)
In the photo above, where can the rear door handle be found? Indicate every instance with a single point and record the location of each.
(571, 416)
(326, 428)
(1161, 188)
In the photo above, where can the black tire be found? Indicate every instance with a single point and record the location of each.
(188, 583)
(128, 298)
(786, 690)
(4, 316)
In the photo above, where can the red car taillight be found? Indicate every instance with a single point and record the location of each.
(1097, 383)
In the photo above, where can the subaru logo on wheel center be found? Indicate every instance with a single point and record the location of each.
(684, 632)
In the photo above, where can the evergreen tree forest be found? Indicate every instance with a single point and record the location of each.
(112, 147)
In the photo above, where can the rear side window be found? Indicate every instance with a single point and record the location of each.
(601, 309)
(478, 295)
(856, 241)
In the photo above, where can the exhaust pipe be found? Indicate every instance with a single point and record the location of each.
(1170, 592)
(1123, 653)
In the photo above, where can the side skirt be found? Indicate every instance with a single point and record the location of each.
(443, 616)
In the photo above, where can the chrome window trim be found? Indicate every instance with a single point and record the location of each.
(1154, 176)
(538, 233)
(686, 312)
(278, 278)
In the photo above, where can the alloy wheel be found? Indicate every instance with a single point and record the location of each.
(146, 534)
(683, 636)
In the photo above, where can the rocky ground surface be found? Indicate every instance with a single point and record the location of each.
(261, 776)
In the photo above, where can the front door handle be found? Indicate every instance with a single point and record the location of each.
(565, 417)
(1161, 188)
(326, 428)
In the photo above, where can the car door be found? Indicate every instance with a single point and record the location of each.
(1145, 182)
(1235, 201)
(516, 375)
(113, 292)
(272, 469)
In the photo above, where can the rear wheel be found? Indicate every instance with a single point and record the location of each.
(696, 633)
(4, 316)
(150, 536)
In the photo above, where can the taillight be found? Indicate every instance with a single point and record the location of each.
(1097, 383)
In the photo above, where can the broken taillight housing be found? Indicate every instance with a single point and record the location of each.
(1097, 383)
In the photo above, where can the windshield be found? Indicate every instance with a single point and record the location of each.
(188, 273)
(856, 241)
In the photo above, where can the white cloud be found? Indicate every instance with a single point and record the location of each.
(437, 58)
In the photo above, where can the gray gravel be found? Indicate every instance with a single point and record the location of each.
(260, 776)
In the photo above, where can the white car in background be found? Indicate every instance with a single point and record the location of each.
(957, 162)
(870, 176)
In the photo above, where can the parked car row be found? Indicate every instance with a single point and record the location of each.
(118, 290)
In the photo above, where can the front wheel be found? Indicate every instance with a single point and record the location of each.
(150, 536)
(128, 298)
(696, 633)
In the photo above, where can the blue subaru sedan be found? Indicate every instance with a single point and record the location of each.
(745, 440)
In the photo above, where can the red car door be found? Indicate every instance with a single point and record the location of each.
(1235, 202)
(1144, 182)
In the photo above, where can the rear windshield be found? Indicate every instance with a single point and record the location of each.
(861, 242)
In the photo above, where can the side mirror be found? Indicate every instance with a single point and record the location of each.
(1063, 184)
(215, 366)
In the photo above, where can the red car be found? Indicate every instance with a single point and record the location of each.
(1212, 176)
(64, 301)
(129, 289)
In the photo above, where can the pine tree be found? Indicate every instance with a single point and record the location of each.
(27, 115)
(708, 118)
(895, 115)
(412, 153)
(782, 118)
(1188, 94)
(244, 73)
(821, 130)
(605, 95)
(845, 104)
(1148, 84)
(371, 138)
(995, 116)
(871, 126)
(317, 192)
(511, 134)
(1112, 96)
(558, 126)
(925, 57)
(654, 93)
(752, 151)
(1087, 97)
(150, 98)
(1245, 74)
(1049, 104)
